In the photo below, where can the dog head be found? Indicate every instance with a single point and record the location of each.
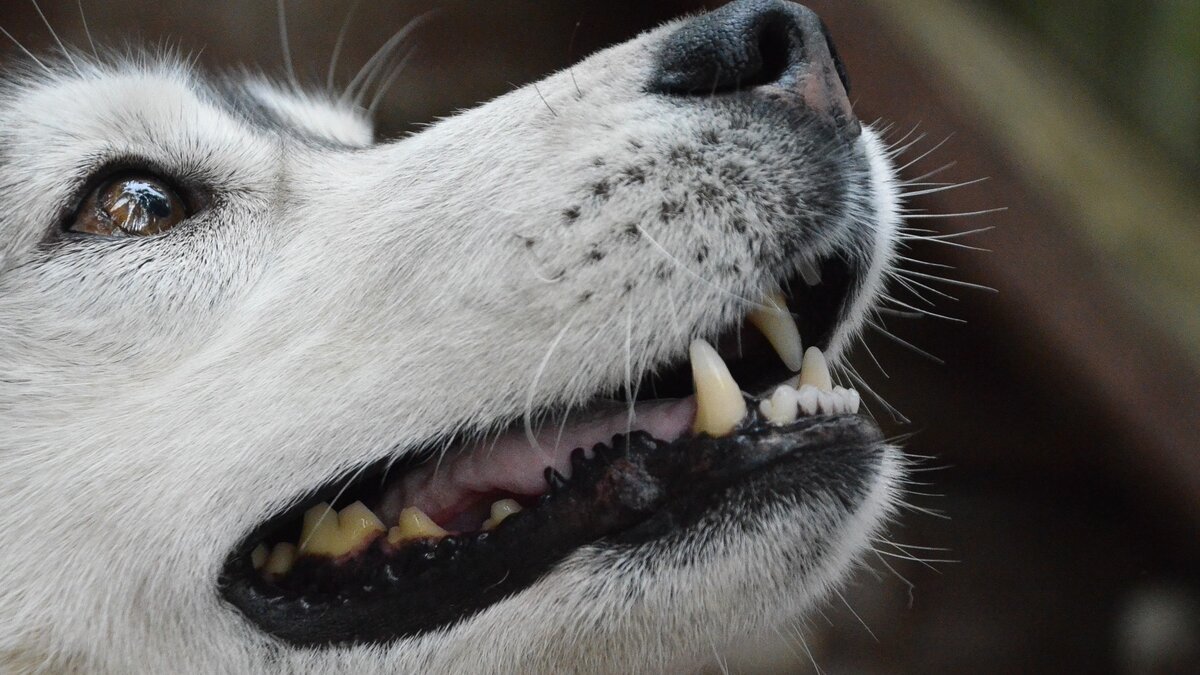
(226, 313)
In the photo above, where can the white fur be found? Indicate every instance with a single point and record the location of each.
(160, 397)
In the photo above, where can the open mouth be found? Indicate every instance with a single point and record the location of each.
(417, 544)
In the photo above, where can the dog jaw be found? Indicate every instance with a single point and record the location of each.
(160, 397)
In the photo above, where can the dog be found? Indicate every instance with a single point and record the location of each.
(543, 388)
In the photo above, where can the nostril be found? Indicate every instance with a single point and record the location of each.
(779, 49)
(774, 51)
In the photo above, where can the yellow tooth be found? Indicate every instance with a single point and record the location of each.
(719, 402)
(258, 557)
(359, 526)
(414, 524)
(327, 532)
(320, 534)
(281, 558)
(816, 370)
(501, 510)
(779, 326)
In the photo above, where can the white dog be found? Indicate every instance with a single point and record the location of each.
(275, 397)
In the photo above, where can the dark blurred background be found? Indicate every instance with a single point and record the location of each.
(1055, 524)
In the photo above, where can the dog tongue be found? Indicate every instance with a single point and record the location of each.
(512, 464)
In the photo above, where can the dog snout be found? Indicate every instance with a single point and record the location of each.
(753, 44)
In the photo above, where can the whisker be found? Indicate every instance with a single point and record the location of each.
(944, 280)
(54, 35)
(935, 315)
(368, 72)
(925, 154)
(87, 31)
(337, 46)
(942, 188)
(904, 343)
(698, 277)
(289, 67)
(967, 214)
(28, 53)
(537, 376)
(917, 179)
(953, 235)
(391, 80)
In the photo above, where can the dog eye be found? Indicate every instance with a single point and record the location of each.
(130, 205)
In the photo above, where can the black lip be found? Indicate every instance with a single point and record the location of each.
(634, 490)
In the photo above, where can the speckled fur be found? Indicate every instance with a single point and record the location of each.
(342, 300)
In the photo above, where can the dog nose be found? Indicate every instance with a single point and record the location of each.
(774, 45)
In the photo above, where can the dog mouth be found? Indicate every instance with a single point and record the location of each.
(413, 545)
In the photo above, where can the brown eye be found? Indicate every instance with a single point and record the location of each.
(130, 205)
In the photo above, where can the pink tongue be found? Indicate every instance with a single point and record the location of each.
(510, 464)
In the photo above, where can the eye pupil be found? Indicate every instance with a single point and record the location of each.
(130, 205)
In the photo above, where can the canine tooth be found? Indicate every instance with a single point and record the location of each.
(779, 326)
(258, 557)
(719, 402)
(816, 370)
(810, 272)
(414, 524)
(782, 407)
(501, 510)
(281, 559)
(808, 398)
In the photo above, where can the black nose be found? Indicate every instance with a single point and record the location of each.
(756, 43)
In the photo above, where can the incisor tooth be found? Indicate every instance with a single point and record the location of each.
(854, 403)
(808, 399)
(719, 402)
(779, 326)
(816, 370)
(782, 407)
(501, 510)
(281, 558)
(327, 532)
(414, 524)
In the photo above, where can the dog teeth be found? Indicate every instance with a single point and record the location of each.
(258, 557)
(779, 326)
(782, 407)
(719, 402)
(281, 559)
(359, 525)
(330, 533)
(815, 370)
(413, 525)
(809, 399)
(501, 510)
(815, 395)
